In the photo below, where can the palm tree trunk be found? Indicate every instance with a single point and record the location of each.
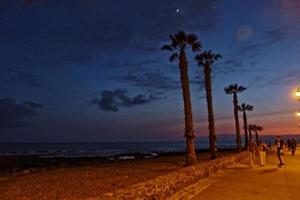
(189, 131)
(237, 124)
(250, 134)
(256, 135)
(211, 121)
(246, 129)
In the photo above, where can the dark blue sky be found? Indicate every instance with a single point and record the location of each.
(92, 70)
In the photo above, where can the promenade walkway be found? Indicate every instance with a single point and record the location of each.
(244, 183)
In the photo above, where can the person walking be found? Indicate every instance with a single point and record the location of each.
(262, 149)
(279, 144)
(293, 146)
(252, 151)
(289, 144)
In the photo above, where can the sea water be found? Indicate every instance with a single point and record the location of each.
(106, 149)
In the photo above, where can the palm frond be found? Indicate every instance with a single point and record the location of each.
(173, 57)
(231, 89)
(167, 47)
(259, 128)
(243, 105)
(174, 42)
(249, 107)
(207, 57)
(217, 56)
(181, 37)
(251, 127)
(227, 90)
(240, 108)
(241, 88)
(196, 46)
(191, 39)
(200, 59)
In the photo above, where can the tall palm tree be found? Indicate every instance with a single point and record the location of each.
(206, 59)
(233, 90)
(243, 108)
(251, 128)
(256, 129)
(180, 41)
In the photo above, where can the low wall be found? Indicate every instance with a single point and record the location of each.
(164, 186)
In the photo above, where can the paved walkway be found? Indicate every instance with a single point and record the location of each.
(258, 183)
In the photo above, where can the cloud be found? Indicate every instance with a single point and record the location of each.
(141, 63)
(13, 114)
(113, 100)
(151, 80)
(230, 66)
(289, 78)
(265, 40)
(32, 104)
(19, 76)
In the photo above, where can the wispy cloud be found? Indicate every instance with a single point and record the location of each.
(265, 40)
(230, 66)
(151, 80)
(24, 77)
(289, 78)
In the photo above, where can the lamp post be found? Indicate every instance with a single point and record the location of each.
(298, 98)
(298, 94)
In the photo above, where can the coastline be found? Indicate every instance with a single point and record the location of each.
(24, 164)
(82, 178)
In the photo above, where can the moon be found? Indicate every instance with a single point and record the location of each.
(177, 10)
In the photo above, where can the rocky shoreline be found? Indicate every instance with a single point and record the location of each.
(24, 164)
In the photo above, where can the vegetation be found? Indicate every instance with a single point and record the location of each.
(179, 43)
(244, 108)
(255, 128)
(206, 59)
(233, 90)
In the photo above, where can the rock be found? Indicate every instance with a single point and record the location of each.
(108, 194)
(26, 171)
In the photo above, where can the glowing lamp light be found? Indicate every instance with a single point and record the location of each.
(298, 113)
(298, 93)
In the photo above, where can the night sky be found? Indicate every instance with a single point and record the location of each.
(92, 70)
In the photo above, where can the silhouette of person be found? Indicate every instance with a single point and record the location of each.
(252, 150)
(293, 146)
(279, 144)
(262, 149)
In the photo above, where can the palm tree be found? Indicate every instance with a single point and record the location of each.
(243, 108)
(233, 90)
(250, 129)
(206, 59)
(179, 43)
(256, 129)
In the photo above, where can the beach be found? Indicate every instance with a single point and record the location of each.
(83, 178)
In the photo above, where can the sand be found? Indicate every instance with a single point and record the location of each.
(93, 180)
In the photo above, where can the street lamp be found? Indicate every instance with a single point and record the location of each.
(298, 93)
(298, 113)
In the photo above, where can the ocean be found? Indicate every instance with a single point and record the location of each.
(106, 149)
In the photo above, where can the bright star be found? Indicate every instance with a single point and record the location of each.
(177, 10)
